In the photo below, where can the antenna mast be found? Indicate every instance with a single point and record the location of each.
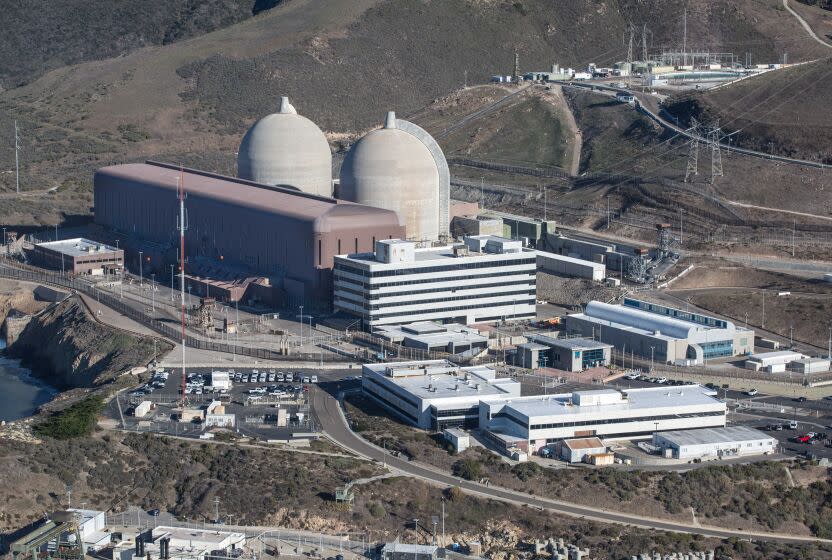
(180, 184)
(16, 158)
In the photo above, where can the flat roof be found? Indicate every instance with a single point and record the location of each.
(571, 343)
(446, 252)
(199, 537)
(446, 380)
(704, 436)
(636, 399)
(431, 334)
(77, 247)
(776, 354)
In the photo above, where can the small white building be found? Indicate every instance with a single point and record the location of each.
(92, 527)
(809, 365)
(221, 380)
(714, 443)
(772, 362)
(142, 409)
(458, 438)
(452, 338)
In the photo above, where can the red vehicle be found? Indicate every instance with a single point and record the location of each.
(804, 438)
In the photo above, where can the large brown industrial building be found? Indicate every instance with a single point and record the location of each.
(239, 225)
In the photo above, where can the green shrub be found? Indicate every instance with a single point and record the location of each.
(72, 422)
(469, 469)
(525, 471)
(377, 510)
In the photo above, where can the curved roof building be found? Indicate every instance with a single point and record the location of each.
(400, 167)
(286, 149)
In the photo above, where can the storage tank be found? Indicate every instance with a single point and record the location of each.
(288, 149)
(400, 167)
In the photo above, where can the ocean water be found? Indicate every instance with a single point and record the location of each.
(20, 393)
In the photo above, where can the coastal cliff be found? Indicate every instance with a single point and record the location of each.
(68, 348)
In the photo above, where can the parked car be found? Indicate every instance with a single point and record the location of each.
(314, 379)
(661, 380)
(800, 399)
(751, 392)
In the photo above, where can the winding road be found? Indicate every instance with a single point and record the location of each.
(805, 25)
(331, 418)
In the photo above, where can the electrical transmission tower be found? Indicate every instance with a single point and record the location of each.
(632, 30)
(714, 137)
(693, 151)
(515, 75)
(644, 32)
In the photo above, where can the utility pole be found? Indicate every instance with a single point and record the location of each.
(482, 195)
(608, 212)
(794, 225)
(685, 39)
(632, 30)
(465, 79)
(443, 497)
(216, 509)
(681, 227)
(644, 43)
(17, 156)
(763, 322)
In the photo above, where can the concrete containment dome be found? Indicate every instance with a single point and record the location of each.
(393, 168)
(286, 149)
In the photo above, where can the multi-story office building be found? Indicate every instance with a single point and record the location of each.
(435, 394)
(484, 279)
(530, 423)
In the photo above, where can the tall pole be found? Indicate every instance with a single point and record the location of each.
(482, 195)
(153, 293)
(172, 275)
(182, 227)
(443, 499)
(141, 269)
(681, 227)
(685, 39)
(301, 325)
(17, 156)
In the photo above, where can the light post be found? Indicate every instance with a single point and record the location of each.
(652, 348)
(301, 325)
(171, 282)
(141, 271)
(153, 293)
(189, 295)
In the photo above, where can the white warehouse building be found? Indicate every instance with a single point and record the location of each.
(435, 394)
(715, 443)
(484, 279)
(664, 333)
(531, 423)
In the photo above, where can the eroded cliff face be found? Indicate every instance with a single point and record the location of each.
(15, 295)
(68, 348)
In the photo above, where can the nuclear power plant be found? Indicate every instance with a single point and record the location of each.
(272, 232)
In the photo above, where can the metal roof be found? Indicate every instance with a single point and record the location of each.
(705, 436)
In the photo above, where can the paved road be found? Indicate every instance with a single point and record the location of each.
(331, 418)
(805, 25)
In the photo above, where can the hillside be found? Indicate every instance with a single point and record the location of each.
(784, 112)
(42, 35)
(343, 63)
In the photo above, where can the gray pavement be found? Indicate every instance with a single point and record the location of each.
(331, 418)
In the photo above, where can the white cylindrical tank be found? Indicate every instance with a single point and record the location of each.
(286, 149)
(392, 169)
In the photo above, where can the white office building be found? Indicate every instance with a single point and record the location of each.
(665, 334)
(435, 394)
(532, 422)
(714, 443)
(484, 279)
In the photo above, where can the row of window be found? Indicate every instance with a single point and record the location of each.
(470, 411)
(432, 301)
(387, 404)
(343, 286)
(567, 424)
(405, 398)
(525, 276)
(457, 308)
(433, 269)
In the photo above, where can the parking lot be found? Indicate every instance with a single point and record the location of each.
(267, 403)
